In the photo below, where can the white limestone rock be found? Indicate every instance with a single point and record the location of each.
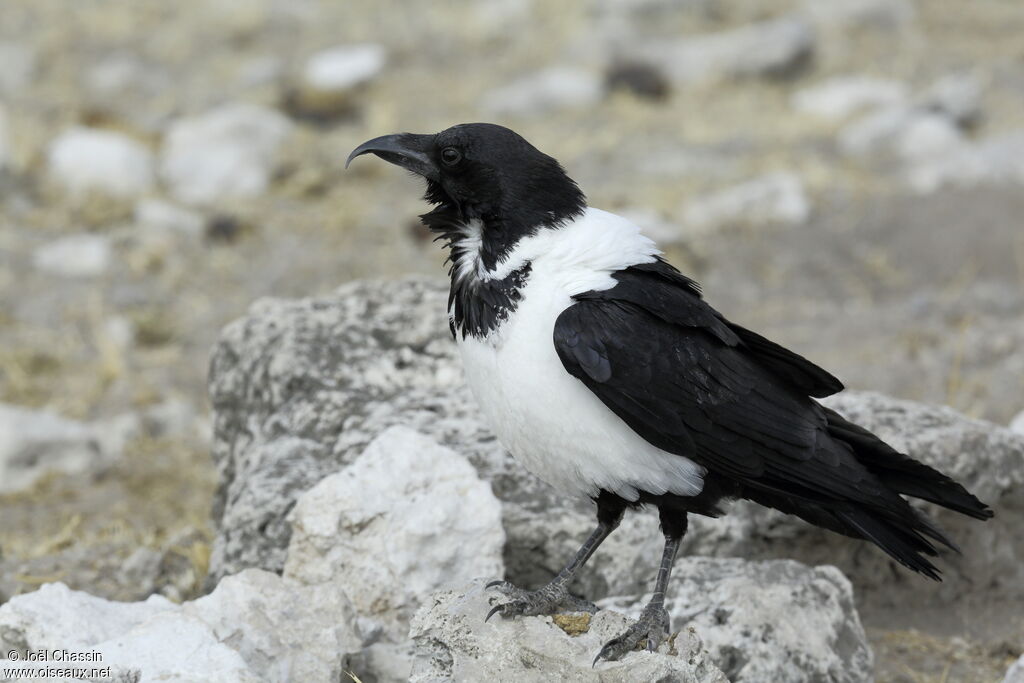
(342, 68)
(407, 517)
(1015, 674)
(332, 80)
(1017, 423)
(228, 152)
(283, 631)
(166, 217)
(35, 442)
(997, 159)
(75, 256)
(776, 198)
(175, 647)
(903, 134)
(454, 644)
(255, 627)
(543, 92)
(56, 616)
(842, 96)
(774, 48)
(89, 160)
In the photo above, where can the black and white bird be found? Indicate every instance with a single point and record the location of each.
(603, 371)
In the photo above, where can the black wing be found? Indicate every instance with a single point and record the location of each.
(691, 383)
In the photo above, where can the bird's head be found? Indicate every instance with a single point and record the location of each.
(485, 172)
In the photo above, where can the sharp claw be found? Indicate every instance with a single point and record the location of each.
(604, 652)
(492, 612)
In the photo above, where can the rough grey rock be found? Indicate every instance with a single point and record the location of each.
(454, 644)
(407, 517)
(768, 621)
(229, 151)
(776, 198)
(779, 47)
(300, 388)
(74, 256)
(336, 372)
(841, 96)
(86, 160)
(333, 374)
(543, 92)
(1015, 674)
(255, 626)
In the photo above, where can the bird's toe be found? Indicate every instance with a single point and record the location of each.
(551, 599)
(650, 629)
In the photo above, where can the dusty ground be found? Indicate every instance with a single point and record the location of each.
(916, 296)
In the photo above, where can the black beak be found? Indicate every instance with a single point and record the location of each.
(405, 149)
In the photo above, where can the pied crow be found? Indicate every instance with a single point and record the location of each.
(604, 372)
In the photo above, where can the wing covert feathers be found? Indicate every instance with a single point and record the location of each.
(694, 384)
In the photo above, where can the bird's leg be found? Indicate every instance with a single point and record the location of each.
(555, 597)
(653, 624)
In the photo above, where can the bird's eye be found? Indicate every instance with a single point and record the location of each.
(451, 156)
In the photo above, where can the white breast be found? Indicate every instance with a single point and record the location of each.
(544, 416)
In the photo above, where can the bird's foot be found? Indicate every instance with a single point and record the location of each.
(652, 626)
(551, 599)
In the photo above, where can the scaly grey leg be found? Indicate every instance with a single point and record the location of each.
(555, 597)
(653, 624)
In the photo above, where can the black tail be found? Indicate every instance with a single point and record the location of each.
(906, 537)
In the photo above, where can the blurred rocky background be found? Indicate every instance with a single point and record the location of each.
(844, 176)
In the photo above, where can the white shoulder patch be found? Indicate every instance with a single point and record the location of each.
(596, 243)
